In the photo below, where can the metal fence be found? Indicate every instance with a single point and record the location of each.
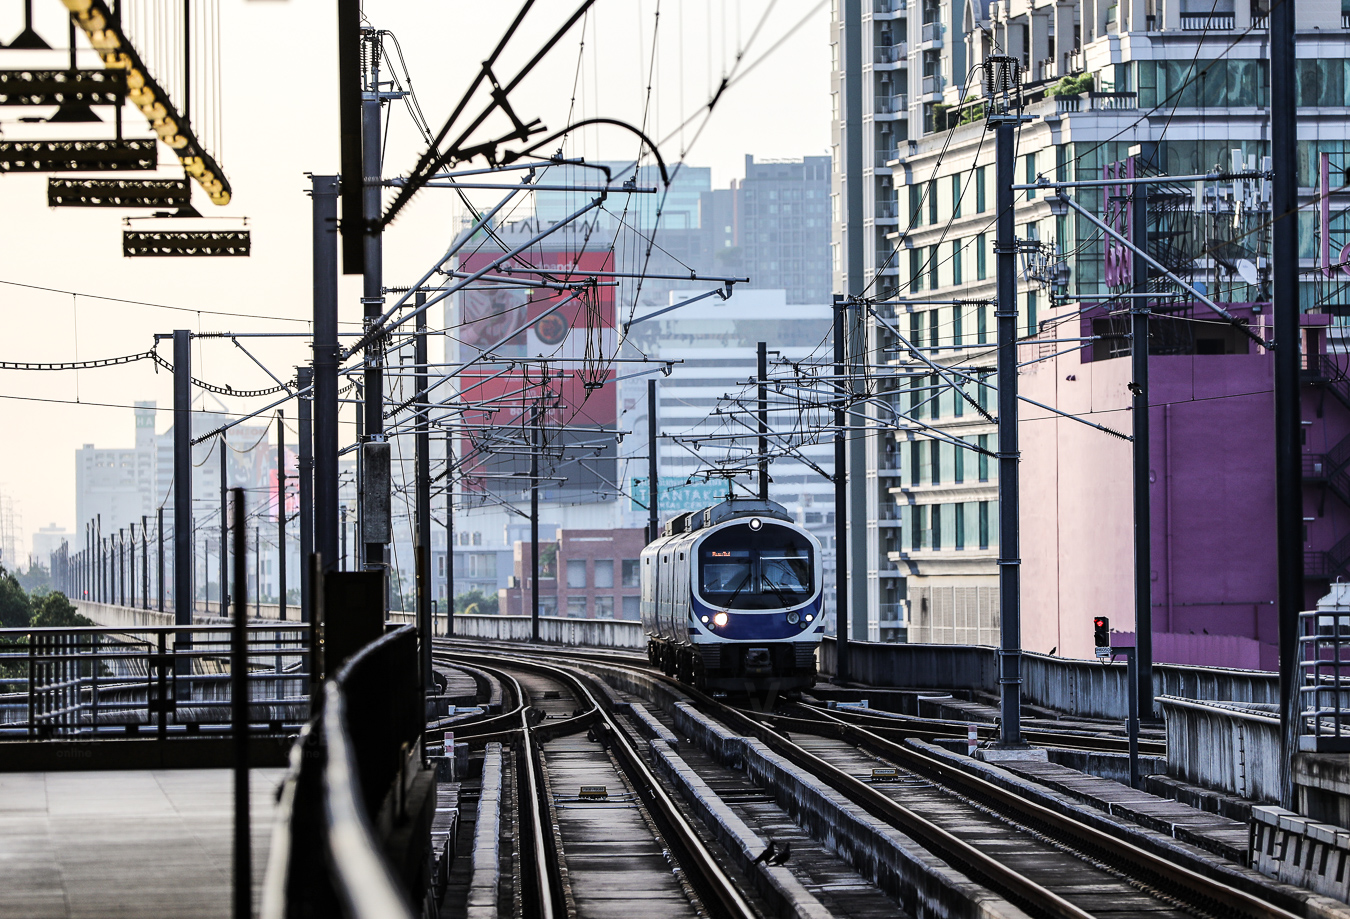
(1324, 681)
(107, 681)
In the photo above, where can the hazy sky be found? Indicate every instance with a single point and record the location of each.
(278, 108)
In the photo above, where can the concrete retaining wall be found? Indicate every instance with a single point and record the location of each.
(1080, 687)
(126, 617)
(1229, 747)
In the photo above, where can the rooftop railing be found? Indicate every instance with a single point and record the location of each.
(1207, 22)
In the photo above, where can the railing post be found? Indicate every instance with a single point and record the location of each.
(163, 701)
(93, 686)
(32, 684)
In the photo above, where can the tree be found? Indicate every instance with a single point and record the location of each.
(55, 611)
(476, 603)
(16, 610)
(36, 580)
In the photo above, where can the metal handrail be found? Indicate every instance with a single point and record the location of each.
(363, 878)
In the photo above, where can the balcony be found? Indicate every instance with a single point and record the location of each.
(1112, 102)
(1207, 22)
(892, 105)
(888, 7)
(885, 156)
(930, 31)
(1261, 21)
(1067, 105)
(888, 515)
(884, 210)
(932, 84)
(1345, 20)
(891, 54)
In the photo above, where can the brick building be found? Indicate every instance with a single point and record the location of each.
(599, 576)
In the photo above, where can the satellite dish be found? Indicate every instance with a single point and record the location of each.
(1247, 268)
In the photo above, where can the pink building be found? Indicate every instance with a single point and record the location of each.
(1212, 469)
(584, 574)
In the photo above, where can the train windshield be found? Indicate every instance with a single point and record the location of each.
(769, 569)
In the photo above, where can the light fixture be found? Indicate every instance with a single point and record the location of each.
(720, 619)
(105, 35)
(810, 618)
(755, 523)
(793, 616)
(705, 619)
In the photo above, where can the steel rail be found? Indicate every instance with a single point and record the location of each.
(711, 881)
(1182, 883)
(548, 896)
(1187, 885)
(909, 725)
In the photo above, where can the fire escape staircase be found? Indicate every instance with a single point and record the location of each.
(1331, 470)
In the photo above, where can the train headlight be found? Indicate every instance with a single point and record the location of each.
(720, 619)
(810, 618)
(793, 617)
(755, 523)
(705, 620)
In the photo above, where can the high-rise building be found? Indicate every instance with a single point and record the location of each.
(784, 232)
(1157, 87)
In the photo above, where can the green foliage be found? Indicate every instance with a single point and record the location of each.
(16, 610)
(55, 611)
(1071, 85)
(476, 603)
(36, 580)
(548, 560)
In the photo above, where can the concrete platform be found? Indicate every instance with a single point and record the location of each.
(128, 843)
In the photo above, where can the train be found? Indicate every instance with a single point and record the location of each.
(731, 599)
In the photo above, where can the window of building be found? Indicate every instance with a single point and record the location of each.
(959, 533)
(956, 196)
(933, 262)
(576, 607)
(916, 329)
(984, 524)
(934, 337)
(1031, 312)
(915, 203)
(915, 527)
(936, 513)
(981, 325)
(548, 606)
(934, 395)
(984, 457)
(916, 269)
(958, 403)
(576, 574)
(981, 267)
(958, 462)
(604, 607)
(1031, 175)
(932, 201)
(632, 607)
(956, 266)
(632, 573)
(916, 396)
(604, 573)
(979, 191)
(440, 567)
(915, 462)
(935, 461)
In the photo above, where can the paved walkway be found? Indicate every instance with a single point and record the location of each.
(126, 843)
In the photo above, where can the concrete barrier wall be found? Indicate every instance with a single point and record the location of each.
(1229, 747)
(1082, 687)
(126, 617)
(595, 633)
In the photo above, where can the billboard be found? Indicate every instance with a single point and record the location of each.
(564, 340)
(677, 495)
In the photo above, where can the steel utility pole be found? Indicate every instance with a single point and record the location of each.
(132, 567)
(145, 564)
(159, 535)
(761, 375)
(243, 874)
(1143, 542)
(1003, 77)
(841, 578)
(374, 527)
(1288, 417)
(257, 572)
(98, 541)
(449, 534)
(307, 473)
(422, 441)
(224, 529)
(534, 525)
(281, 515)
(183, 555)
(324, 399)
(653, 466)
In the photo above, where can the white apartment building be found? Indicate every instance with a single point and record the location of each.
(1182, 83)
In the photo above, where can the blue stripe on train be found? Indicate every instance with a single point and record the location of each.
(757, 625)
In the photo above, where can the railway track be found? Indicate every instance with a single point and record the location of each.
(1039, 861)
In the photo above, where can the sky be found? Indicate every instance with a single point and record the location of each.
(66, 293)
